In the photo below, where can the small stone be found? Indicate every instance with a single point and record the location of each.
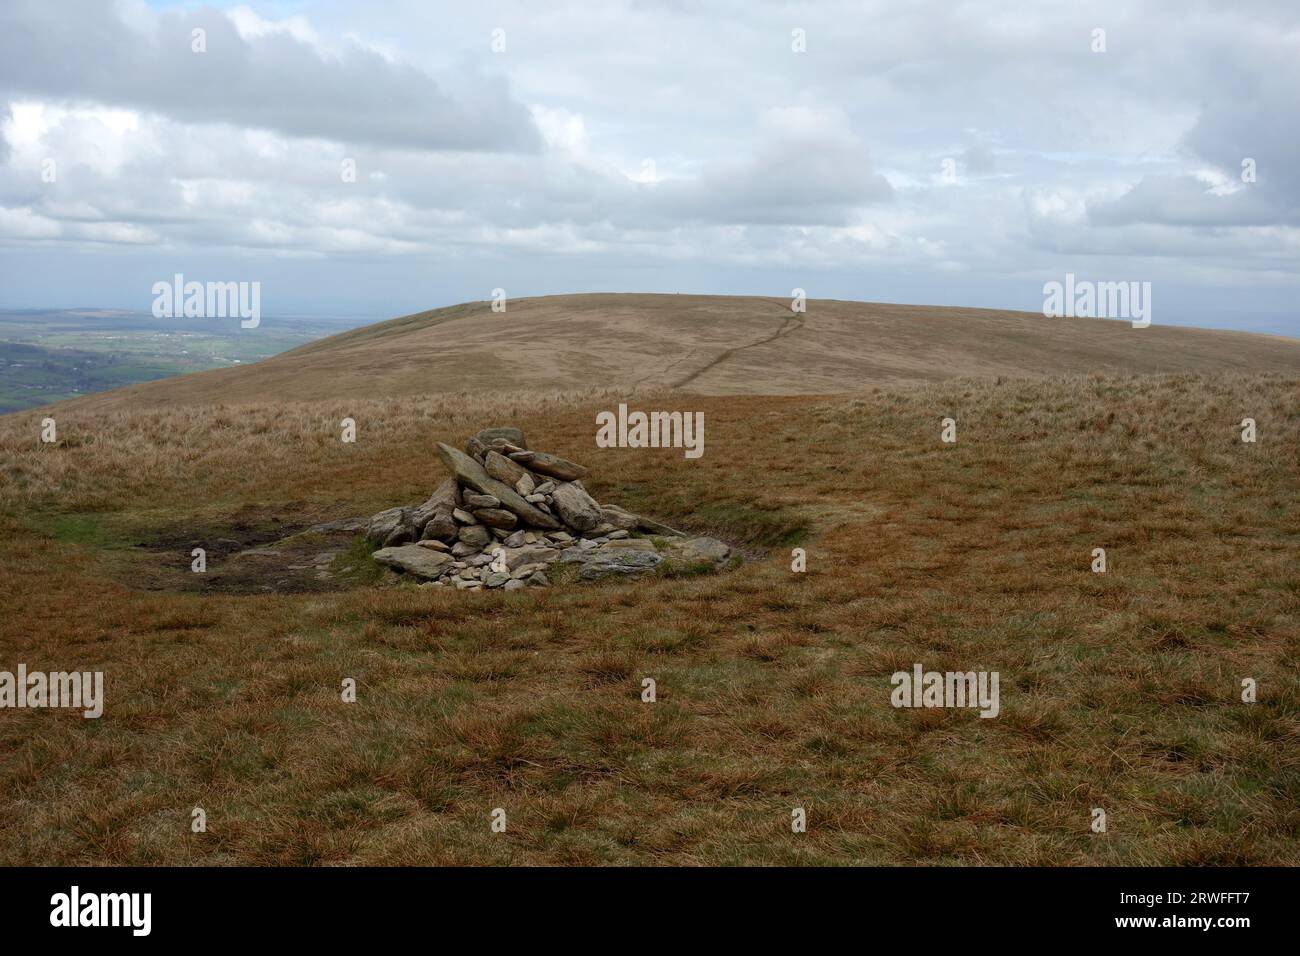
(475, 501)
(525, 485)
(496, 517)
(531, 537)
(539, 580)
(513, 585)
(434, 545)
(617, 535)
(496, 579)
(534, 499)
(464, 517)
(475, 535)
(545, 488)
(518, 539)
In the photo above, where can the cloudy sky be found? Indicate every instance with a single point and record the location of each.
(939, 152)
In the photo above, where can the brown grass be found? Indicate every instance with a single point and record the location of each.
(711, 345)
(1118, 690)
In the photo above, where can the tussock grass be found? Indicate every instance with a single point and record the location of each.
(1119, 690)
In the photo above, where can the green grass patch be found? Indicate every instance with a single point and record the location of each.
(356, 566)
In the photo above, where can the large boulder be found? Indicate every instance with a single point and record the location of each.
(550, 465)
(391, 527)
(617, 518)
(441, 527)
(518, 557)
(503, 469)
(444, 498)
(576, 508)
(622, 562)
(414, 559)
(699, 551)
(471, 473)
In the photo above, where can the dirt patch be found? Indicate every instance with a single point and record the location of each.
(256, 556)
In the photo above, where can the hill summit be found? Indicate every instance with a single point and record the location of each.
(711, 345)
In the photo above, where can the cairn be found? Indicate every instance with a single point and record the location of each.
(507, 513)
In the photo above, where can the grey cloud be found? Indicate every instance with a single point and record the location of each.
(81, 52)
(1184, 201)
(978, 159)
(801, 181)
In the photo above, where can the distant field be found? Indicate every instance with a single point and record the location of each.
(49, 356)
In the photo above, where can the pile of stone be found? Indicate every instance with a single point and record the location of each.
(508, 513)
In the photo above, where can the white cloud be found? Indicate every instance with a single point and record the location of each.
(660, 133)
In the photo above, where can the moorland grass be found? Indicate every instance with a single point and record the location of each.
(1119, 690)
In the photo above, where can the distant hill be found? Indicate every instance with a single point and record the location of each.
(706, 344)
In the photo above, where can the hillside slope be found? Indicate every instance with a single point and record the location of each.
(713, 345)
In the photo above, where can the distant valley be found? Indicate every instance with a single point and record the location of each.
(50, 355)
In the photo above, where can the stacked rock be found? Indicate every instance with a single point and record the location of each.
(508, 512)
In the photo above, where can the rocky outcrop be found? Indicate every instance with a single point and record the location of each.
(508, 515)
(471, 473)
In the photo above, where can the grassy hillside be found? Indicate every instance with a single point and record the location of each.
(711, 345)
(1119, 690)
